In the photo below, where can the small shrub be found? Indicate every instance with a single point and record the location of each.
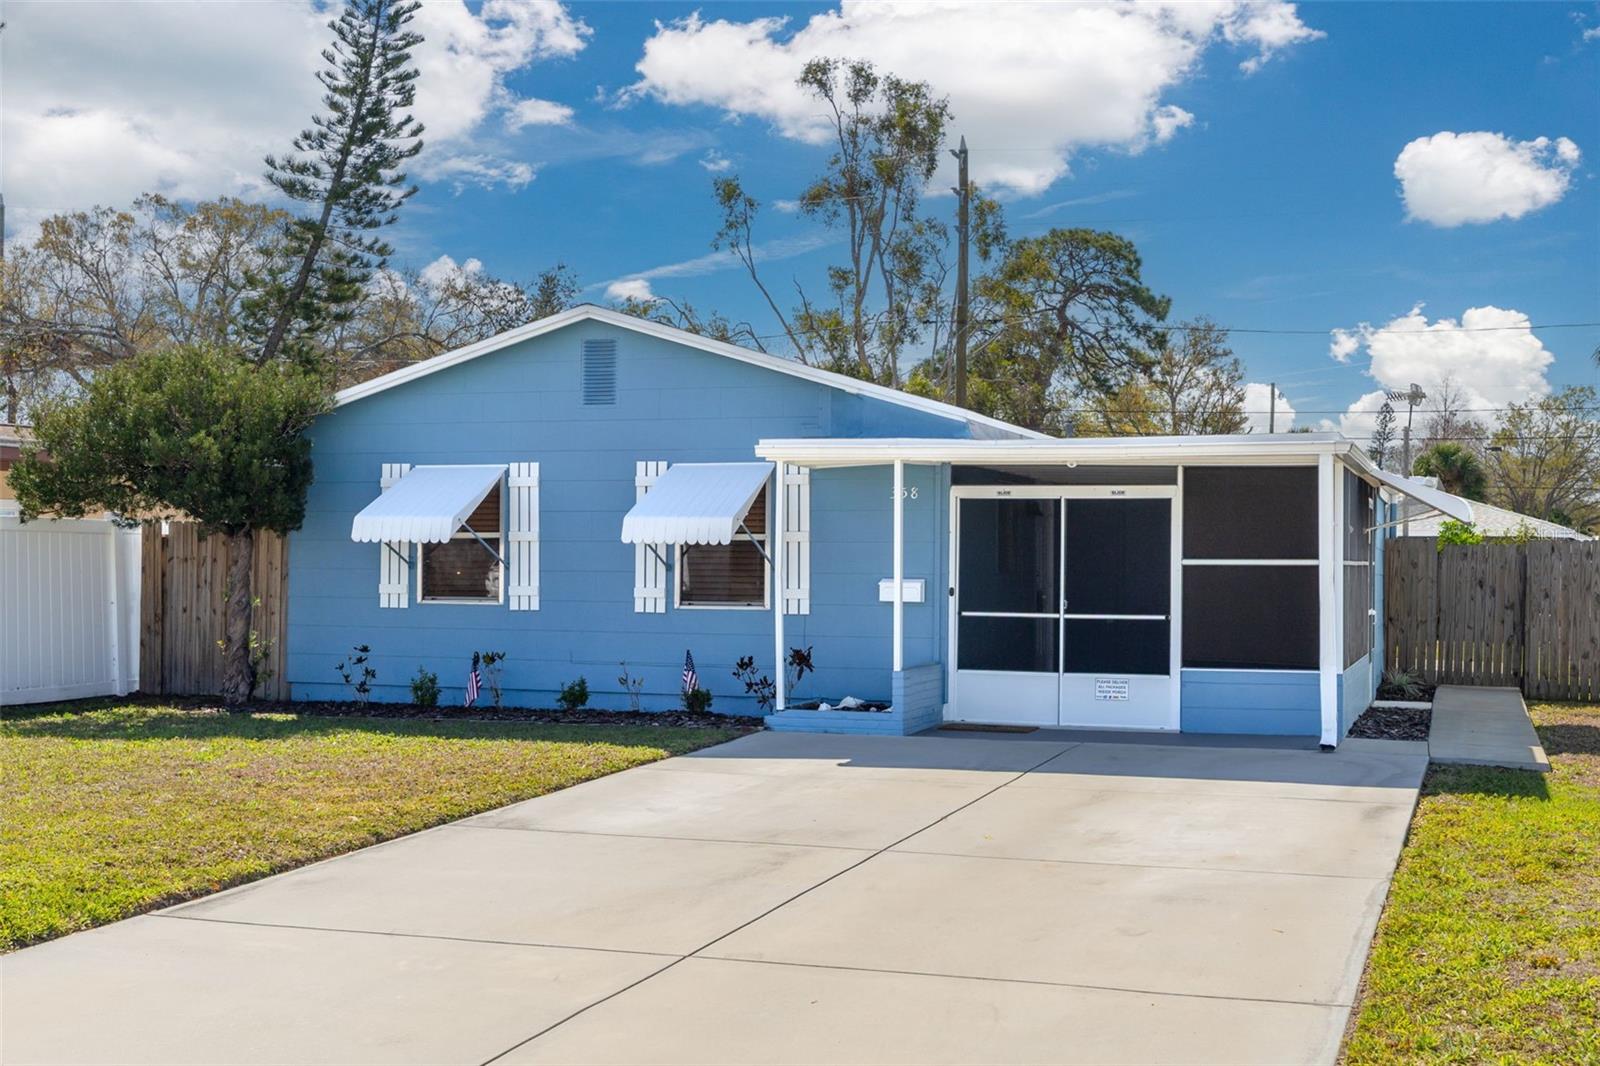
(1403, 685)
(357, 673)
(697, 700)
(632, 686)
(574, 695)
(493, 662)
(425, 688)
(1453, 532)
(758, 685)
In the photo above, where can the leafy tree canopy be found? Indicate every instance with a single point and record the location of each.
(189, 430)
(1458, 469)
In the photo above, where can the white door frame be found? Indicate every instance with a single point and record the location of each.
(952, 710)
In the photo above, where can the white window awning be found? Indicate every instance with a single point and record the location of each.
(1447, 504)
(696, 503)
(427, 506)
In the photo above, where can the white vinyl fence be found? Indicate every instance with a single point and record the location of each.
(69, 610)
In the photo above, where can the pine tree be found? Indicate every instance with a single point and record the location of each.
(1383, 436)
(346, 166)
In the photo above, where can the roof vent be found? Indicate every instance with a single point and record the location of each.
(599, 373)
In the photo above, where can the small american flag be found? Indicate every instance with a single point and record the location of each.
(474, 682)
(691, 680)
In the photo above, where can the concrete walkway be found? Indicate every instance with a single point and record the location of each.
(785, 898)
(1484, 727)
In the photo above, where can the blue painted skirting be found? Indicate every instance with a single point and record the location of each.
(916, 705)
(1271, 702)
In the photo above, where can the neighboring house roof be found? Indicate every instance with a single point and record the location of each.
(1489, 520)
(983, 425)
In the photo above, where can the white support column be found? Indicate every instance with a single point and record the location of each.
(899, 565)
(779, 555)
(1328, 582)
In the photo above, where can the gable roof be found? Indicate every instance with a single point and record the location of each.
(1489, 520)
(982, 425)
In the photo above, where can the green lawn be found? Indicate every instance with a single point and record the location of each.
(108, 812)
(1489, 948)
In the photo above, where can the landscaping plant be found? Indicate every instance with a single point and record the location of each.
(357, 673)
(425, 688)
(697, 700)
(1403, 685)
(632, 686)
(493, 663)
(574, 695)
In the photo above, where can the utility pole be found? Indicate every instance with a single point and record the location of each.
(1412, 396)
(964, 194)
(1272, 408)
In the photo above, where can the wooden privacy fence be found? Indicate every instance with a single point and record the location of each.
(185, 583)
(1525, 615)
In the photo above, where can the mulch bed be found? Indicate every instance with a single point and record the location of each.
(1392, 723)
(349, 708)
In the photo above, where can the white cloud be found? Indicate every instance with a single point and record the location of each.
(630, 289)
(1454, 178)
(105, 100)
(1592, 33)
(712, 262)
(1491, 355)
(537, 113)
(1343, 344)
(1258, 407)
(715, 162)
(445, 269)
(1052, 77)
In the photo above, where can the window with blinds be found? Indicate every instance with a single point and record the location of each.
(727, 575)
(460, 570)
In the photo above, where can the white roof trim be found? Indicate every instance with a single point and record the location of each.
(426, 506)
(589, 312)
(695, 503)
(1245, 449)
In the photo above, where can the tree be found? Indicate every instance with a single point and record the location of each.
(195, 431)
(885, 134)
(1458, 469)
(1450, 418)
(99, 286)
(1544, 459)
(346, 167)
(1199, 381)
(683, 315)
(1383, 436)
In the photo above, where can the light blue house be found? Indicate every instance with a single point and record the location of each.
(594, 493)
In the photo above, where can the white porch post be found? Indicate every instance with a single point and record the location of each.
(779, 553)
(1328, 582)
(899, 565)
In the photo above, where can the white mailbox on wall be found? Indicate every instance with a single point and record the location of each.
(913, 590)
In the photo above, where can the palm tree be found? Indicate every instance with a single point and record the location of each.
(1459, 471)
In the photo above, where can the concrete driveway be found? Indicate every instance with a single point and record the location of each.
(786, 898)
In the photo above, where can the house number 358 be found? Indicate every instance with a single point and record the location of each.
(907, 493)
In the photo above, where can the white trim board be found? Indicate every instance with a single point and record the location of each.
(593, 313)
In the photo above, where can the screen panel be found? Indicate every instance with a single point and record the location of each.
(1117, 646)
(1026, 644)
(1119, 556)
(1251, 617)
(1010, 556)
(1250, 512)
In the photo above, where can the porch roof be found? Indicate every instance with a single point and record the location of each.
(1279, 449)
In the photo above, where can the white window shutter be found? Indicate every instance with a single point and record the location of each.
(796, 539)
(522, 534)
(394, 556)
(649, 560)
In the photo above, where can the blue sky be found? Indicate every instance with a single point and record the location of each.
(1249, 152)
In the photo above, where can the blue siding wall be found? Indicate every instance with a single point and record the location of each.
(1276, 702)
(674, 403)
(1356, 686)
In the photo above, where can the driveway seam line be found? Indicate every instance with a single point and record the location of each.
(413, 936)
(777, 906)
(1140, 865)
(1231, 795)
(654, 836)
(1335, 1005)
